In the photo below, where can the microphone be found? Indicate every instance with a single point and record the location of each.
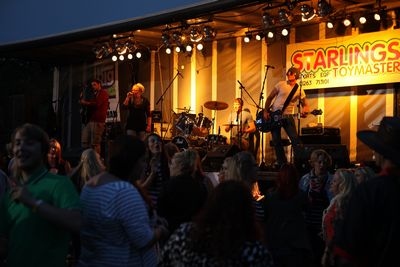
(270, 66)
(241, 85)
(180, 74)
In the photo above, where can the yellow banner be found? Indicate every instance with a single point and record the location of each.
(372, 58)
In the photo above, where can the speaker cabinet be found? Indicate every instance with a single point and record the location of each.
(215, 157)
(339, 154)
(321, 139)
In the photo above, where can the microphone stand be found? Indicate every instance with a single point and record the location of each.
(161, 99)
(261, 100)
(298, 117)
(241, 94)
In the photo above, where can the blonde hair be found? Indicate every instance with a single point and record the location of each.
(346, 186)
(139, 86)
(186, 160)
(320, 152)
(89, 165)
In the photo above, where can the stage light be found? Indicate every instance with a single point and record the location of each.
(362, 19)
(195, 35)
(347, 21)
(329, 24)
(324, 8)
(114, 58)
(267, 20)
(284, 17)
(270, 34)
(307, 12)
(168, 50)
(247, 37)
(138, 54)
(129, 56)
(209, 33)
(259, 36)
(285, 32)
(189, 48)
(199, 46)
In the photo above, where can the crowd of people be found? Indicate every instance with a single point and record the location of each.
(152, 206)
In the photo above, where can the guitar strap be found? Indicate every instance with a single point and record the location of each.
(290, 96)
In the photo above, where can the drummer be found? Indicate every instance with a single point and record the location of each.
(241, 124)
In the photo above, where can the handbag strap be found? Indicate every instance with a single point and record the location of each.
(290, 96)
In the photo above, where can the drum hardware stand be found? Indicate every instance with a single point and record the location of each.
(261, 103)
(161, 99)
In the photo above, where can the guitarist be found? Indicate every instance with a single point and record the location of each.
(97, 107)
(285, 96)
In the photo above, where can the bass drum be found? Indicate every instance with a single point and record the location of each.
(181, 142)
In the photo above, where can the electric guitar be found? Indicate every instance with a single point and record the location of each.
(275, 120)
(86, 94)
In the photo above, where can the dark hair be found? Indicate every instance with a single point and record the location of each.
(124, 154)
(94, 80)
(294, 71)
(34, 132)
(226, 222)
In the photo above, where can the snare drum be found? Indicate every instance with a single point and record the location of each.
(181, 142)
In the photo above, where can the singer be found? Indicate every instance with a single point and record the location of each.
(241, 124)
(139, 117)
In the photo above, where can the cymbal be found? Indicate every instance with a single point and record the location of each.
(216, 105)
(185, 109)
(230, 124)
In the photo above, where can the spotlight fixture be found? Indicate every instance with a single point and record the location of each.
(120, 48)
(195, 35)
(329, 24)
(185, 37)
(199, 46)
(189, 48)
(259, 36)
(324, 8)
(209, 33)
(285, 32)
(247, 37)
(377, 16)
(362, 19)
(307, 12)
(165, 37)
(347, 21)
(267, 20)
(270, 34)
(284, 17)
(291, 4)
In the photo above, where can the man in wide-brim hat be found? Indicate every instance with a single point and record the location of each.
(370, 232)
(385, 141)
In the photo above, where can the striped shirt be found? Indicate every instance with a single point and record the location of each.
(116, 227)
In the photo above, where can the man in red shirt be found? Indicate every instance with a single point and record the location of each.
(97, 108)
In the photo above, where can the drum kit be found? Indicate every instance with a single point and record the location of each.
(194, 131)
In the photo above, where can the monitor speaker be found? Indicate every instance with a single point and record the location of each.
(215, 157)
(338, 153)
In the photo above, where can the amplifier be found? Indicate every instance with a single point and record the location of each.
(321, 130)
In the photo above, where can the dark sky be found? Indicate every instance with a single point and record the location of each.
(26, 20)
